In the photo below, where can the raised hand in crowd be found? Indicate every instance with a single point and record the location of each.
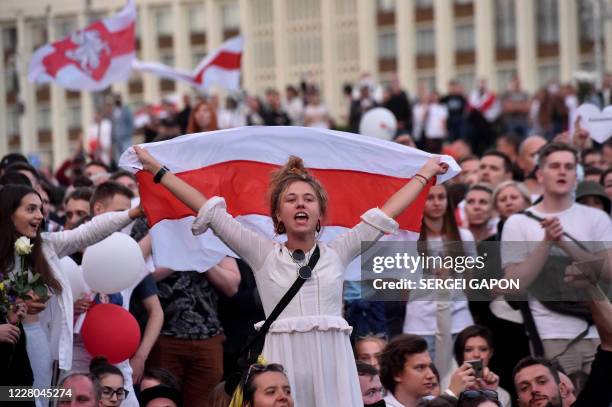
(464, 377)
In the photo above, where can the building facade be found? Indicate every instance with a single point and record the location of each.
(329, 42)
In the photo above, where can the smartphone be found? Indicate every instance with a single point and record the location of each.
(477, 366)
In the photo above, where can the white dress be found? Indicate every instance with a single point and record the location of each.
(310, 338)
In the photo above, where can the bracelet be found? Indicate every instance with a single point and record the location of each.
(421, 178)
(160, 174)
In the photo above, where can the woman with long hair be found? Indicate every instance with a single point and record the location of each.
(48, 325)
(439, 236)
(310, 338)
(203, 117)
(476, 343)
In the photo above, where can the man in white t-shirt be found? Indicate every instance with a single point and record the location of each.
(535, 241)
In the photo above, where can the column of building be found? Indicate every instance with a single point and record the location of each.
(27, 97)
(87, 107)
(568, 39)
(366, 21)
(405, 34)
(329, 38)
(484, 31)
(149, 51)
(59, 130)
(444, 27)
(180, 43)
(4, 139)
(214, 29)
(526, 54)
(281, 51)
(246, 30)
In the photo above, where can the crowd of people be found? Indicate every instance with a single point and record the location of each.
(530, 174)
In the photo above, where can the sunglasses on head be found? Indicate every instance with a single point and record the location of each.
(257, 368)
(472, 394)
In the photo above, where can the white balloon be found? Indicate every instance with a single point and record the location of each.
(378, 122)
(113, 264)
(75, 277)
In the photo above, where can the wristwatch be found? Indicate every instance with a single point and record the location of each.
(160, 174)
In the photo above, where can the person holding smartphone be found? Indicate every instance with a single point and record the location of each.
(474, 346)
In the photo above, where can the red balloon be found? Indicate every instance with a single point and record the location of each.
(110, 331)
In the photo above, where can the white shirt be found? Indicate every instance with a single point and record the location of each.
(421, 314)
(391, 401)
(56, 319)
(585, 224)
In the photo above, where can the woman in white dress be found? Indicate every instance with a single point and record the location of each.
(310, 337)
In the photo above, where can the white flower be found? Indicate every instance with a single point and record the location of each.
(23, 246)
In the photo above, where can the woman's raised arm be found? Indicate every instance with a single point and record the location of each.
(179, 188)
(409, 192)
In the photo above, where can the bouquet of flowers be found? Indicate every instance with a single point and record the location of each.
(21, 283)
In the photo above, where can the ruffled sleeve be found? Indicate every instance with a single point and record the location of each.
(374, 224)
(250, 245)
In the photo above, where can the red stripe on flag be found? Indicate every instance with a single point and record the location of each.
(119, 43)
(244, 185)
(225, 59)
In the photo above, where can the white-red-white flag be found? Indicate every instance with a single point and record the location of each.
(358, 172)
(91, 58)
(220, 68)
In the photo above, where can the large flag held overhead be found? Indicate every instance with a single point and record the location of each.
(358, 172)
(220, 68)
(91, 58)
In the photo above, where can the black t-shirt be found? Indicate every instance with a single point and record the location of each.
(456, 105)
(597, 390)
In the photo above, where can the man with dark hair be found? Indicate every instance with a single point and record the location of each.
(127, 179)
(369, 382)
(495, 167)
(77, 206)
(606, 152)
(538, 382)
(110, 196)
(97, 172)
(10, 159)
(546, 250)
(593, 158)
(405, 371)
(469, 170)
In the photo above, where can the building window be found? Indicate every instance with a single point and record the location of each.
(196, 58)
(163, 21)
(12, 123)
(11, 80)
(230, 16)
(464, 37)
(425, 41)
(43, 118)
(197, 18)
(586, 23)
(63, 28)
(167, 59)
(262, 12)
(466, 79)
(73, 117)
(386, 44)
(385, 6)
(423, 3)
(504, 77)
(548, 73)
(428, 81)
(39, 35)
(505, 24)
(9, 38)
(547, 21)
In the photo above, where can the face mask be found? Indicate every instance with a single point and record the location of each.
(379, 403)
